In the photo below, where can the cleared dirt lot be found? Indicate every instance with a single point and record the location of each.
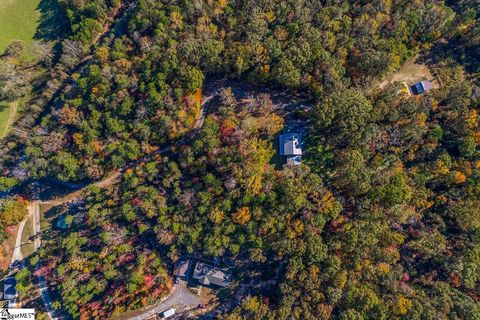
(411, 72)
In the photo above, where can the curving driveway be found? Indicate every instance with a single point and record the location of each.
(181, 299)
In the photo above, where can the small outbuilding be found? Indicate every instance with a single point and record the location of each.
(421, 87)
(291, 148)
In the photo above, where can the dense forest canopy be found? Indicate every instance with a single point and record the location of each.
(380, 221)
(139, 91)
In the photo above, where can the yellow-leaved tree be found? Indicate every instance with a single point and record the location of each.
(242, 215)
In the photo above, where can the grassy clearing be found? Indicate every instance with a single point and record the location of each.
(18, 20)
(411, 72)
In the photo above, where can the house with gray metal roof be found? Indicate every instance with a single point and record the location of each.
(290, 145)
(207, 275)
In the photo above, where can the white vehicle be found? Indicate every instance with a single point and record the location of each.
(168, 313)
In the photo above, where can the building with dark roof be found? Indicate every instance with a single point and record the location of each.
(181, 267)
(421, 87)
(207, 275)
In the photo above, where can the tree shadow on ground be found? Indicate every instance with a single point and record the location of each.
(52, 22)
(460, 50)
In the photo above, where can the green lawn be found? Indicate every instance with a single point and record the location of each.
(18, 20)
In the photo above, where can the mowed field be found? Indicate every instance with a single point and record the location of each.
(18, 20)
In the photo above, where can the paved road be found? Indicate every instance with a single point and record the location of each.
(34, 211)
(181, 299)
(47, 301)
(42, 284)
(17, 256)
(17, 251)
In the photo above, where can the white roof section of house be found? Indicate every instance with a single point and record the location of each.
(290, 144)
(294, 160)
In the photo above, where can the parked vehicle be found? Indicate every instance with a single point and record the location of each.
(167, 313)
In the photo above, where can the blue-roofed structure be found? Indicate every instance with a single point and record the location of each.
(421, 87)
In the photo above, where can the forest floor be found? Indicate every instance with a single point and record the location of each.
(411, 72)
